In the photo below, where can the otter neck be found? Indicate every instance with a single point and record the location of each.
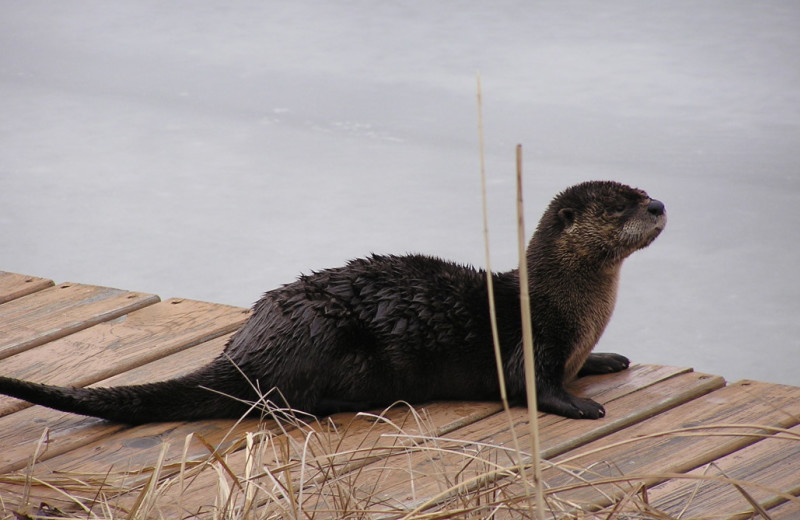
(577, 293)
(578, 285)
(558, 259)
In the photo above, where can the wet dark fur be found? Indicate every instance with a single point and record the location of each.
(411, 328)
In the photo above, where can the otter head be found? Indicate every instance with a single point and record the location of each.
(599, 223)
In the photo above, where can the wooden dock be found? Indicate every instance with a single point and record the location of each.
(674, 444)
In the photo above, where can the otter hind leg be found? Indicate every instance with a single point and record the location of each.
(603, 363)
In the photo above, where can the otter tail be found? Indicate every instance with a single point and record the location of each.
(183, 399)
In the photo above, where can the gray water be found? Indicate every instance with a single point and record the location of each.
(216, 150)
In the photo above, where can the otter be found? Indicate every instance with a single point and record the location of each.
(413, 328)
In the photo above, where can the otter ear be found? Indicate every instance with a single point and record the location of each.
(567, 216)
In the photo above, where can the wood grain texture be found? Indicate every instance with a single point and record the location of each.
(58, 311)
(347, 442)
(20, 432)
(14, 285)
(381, 440)
(446, 419)
(656, 452)
(785, 511)
(138, 448)
(769, 467)
(480, 446)
(111, 347)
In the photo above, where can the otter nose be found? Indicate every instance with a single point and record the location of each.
(656, 207)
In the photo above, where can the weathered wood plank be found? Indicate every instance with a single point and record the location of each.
(352, 433)
(769, 467)
(139, 447)
(345, 443)
(647, 401)
(88, 447)
(68, 435)
(56, 312)
(14, 285)
(111, 347)
(410, 481)
(786, 511)
(366, 435)
(20, 432)
(136, 448)
(656, 452)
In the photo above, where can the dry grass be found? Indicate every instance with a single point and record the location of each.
(313, 470)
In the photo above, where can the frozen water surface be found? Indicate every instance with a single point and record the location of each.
(216, 150)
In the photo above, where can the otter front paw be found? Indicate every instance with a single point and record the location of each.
(567, 405)
(603, 363)
(588, 409)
